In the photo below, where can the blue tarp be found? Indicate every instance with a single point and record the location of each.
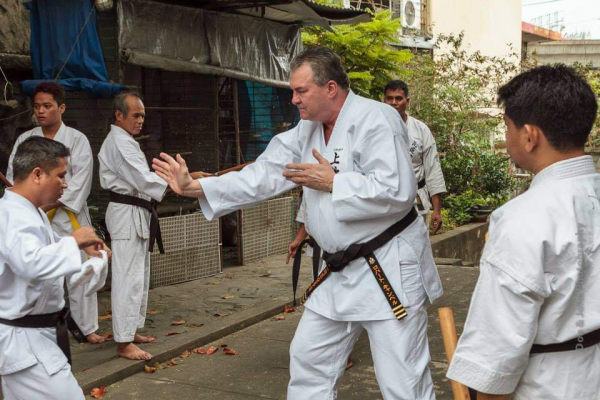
(55, 26)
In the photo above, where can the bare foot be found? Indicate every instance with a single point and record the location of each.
(94, 338)
(143, 339)
(349, 364)
(132, 352)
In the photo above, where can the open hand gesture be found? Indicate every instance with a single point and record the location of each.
(176, 173)
(315, 176)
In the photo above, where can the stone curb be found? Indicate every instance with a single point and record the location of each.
(118, 369)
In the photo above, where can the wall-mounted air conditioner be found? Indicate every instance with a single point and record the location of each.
(411, 14)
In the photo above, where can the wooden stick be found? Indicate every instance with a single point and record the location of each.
(198, 175)
(461, 392)
(4, 181)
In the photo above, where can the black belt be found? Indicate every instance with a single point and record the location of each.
(581, 342)
(61, 320)
(155, 235)
(316, 261)
(421, 184)
(338, 261)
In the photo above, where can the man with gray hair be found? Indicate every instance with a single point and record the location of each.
(132, 222)
(350, 154)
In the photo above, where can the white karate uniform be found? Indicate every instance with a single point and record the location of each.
(373, 189)
(84, 309)
(124, 169)
(33, 263)
(539, 284)
(425, 161)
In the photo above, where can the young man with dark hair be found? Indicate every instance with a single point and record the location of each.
(34, 261)
(132, 222)
(533, 329)
(70, 211)
(350, 156)
(423, 153)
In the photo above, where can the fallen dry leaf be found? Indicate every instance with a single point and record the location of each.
(288, 309)
(149, 370)
(107, 336)
(157, 365)
(228, 297)
(220, 314)
(199, 350)
(279, 317)
(98, 393)
(105, 316)
(172, 333)
(176, 323)
(185, 354)
(152, 312)
(230, 352)
(211, 350)
(85, 369)
(171, 363)
(194, 325)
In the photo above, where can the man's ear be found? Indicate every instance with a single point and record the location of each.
(332, 89)
(37, 174)
(534, 137)
(62, 108)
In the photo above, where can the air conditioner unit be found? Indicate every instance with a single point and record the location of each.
(411, 14)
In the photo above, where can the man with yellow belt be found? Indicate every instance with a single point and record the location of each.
(70, 212)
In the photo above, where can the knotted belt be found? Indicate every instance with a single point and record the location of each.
(420, 185)
(61, 320)
(338, 261)
(316, 261)
(155, 235)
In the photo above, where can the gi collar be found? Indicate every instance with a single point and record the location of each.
(573, 167)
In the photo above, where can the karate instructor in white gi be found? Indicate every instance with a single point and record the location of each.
(350, 155)
(131, 220)
(70, 212)
(533, 329)
(34, 260)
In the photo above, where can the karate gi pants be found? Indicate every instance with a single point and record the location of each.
(129, 287)
(35, 383)
(400, 350)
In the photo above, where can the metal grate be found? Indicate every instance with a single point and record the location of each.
(192, 250)
(268, 228)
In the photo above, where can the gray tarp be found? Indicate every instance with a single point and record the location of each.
(178, 38)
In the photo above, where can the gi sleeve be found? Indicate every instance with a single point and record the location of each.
(80, 182)
(434, 178)
(135, 171)
(493, 350)
(31, 260)
(257, 182)
(383, 182)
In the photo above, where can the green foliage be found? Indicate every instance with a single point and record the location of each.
(366, 51)
(593, 78)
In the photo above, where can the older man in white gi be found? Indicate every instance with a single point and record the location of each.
(132, 222)
(33, 264)
(423, 153)
(361, 185)
(70, 212)
(533, 329)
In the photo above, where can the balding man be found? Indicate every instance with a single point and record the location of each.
(131, 220)
(351, 156)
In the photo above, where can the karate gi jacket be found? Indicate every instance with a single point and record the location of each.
(539, 284)
(124, 169)
(374, 187)
(425, 161)
(79, 176)
(33, 263)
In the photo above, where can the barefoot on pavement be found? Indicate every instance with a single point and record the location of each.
(94, 338)
(132, 352)
(143, 339)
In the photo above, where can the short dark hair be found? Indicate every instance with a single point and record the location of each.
(37, 151)
(554, 98)
(120, 102)
(325, 64)
(396, 85)
(53, 88)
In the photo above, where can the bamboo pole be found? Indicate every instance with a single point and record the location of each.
(461, 392)
(4, 181)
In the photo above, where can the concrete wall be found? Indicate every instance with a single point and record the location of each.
(566, 51)
(489, 25)
(465, 242)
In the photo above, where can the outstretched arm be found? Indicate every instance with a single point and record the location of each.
(177, 175)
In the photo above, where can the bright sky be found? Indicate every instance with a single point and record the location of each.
(579, 15)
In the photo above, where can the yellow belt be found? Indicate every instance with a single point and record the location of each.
(71, 214)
